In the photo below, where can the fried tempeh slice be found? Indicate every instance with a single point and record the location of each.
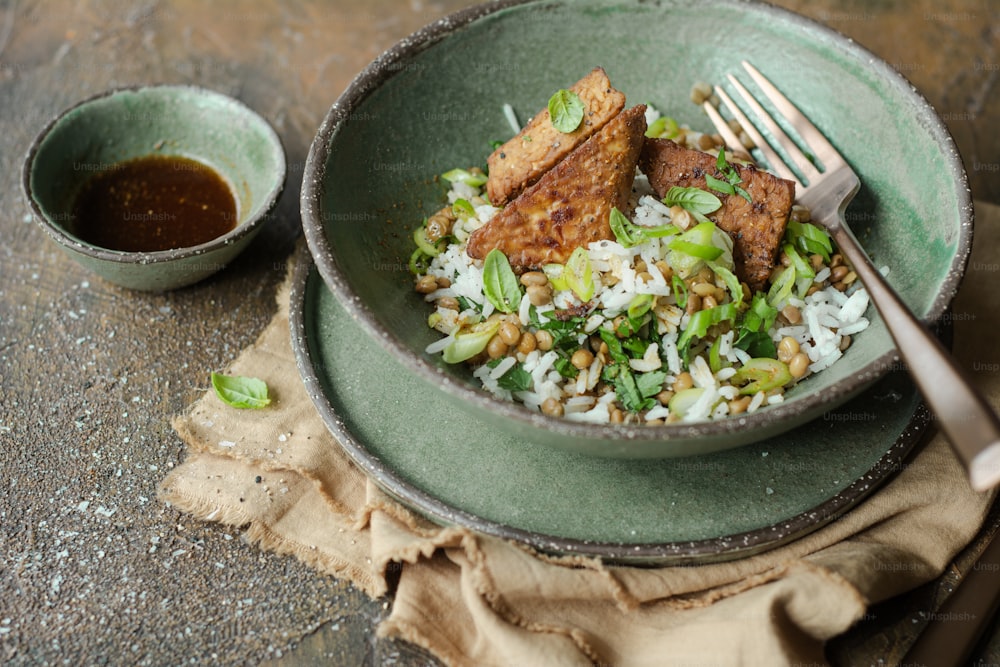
(756, 227)
(570, 206)
(539, 146)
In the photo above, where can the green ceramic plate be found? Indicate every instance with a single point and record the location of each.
(435, 101)
(459, 471)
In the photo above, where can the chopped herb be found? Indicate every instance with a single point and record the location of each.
(731, 186)
(515, 379)
(566, 110)
(500, 285)
(565, 367)
(241, 392)
(651, 383)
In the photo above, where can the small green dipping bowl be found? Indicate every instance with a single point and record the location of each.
(173, 121)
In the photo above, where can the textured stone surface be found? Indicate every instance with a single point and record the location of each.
(92, 567)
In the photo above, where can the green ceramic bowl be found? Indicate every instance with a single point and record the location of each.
(130, 123)
(434, 102)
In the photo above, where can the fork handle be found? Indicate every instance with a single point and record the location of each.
(962, 412)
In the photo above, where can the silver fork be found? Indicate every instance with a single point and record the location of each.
(962, 412)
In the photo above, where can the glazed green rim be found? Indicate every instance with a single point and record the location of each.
(388, 65)
(67, 240)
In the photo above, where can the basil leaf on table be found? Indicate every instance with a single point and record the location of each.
(241, 392)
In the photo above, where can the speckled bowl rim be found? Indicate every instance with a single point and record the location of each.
(714, 549)
(67, 240)
(387, 65)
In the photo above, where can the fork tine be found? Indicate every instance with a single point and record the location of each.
(797, 156)
(773, 159)
(816, 140)
(728, 136)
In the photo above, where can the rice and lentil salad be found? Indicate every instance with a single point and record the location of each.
(651, 326)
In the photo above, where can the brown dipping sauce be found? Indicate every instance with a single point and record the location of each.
(154, 203)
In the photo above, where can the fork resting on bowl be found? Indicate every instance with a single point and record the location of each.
(971, 425)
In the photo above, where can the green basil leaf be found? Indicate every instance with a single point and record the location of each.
(500, 285)
(241, 392)
(626, 233)
(695, 200)
(566, 110)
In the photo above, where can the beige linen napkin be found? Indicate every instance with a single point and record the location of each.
(477, 600)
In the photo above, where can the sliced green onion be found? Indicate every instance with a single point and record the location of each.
(663, 127)
(781, 288)
(729, 278)
(680, 290)
(809, 238)
(423, 244)
(465, 176)
(689, 250)
(578, 274)
(803, 269)
(715, 356)
(469, 344)
(761, 375)
(683, 400)
(706, 252)
(639, 306)
(419, 262)
(555, 274)
(702, 320)
(463, 209)
(628, 234)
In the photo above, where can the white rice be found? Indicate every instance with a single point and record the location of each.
(828, 315)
